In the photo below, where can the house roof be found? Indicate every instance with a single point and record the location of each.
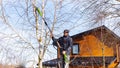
(102, 33)
(82, 61)
(89, 61)
(51, 63)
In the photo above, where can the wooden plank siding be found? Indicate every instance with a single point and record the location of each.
(91, 46)
(118, 52)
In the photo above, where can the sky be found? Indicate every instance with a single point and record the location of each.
(67, 18)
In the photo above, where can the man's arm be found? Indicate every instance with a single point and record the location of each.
(55, 41)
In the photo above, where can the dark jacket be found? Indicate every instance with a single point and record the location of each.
(65, 43)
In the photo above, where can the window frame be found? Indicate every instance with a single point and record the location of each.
(76, 44)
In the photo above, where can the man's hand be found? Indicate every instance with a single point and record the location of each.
(64, 52)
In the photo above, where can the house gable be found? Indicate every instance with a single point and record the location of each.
(98, 41)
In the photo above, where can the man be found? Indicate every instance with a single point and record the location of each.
(65, 44)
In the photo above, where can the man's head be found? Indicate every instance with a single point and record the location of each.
(66, 32)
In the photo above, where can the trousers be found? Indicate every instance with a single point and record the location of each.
(62, 63)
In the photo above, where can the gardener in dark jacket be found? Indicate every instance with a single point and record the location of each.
(65, 44)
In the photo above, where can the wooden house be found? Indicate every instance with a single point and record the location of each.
(95, 48)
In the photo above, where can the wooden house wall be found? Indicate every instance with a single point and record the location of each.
(92, 46)
(118, 52)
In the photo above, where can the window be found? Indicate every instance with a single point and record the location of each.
(75, 48)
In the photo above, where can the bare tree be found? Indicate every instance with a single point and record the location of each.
(24, 29)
